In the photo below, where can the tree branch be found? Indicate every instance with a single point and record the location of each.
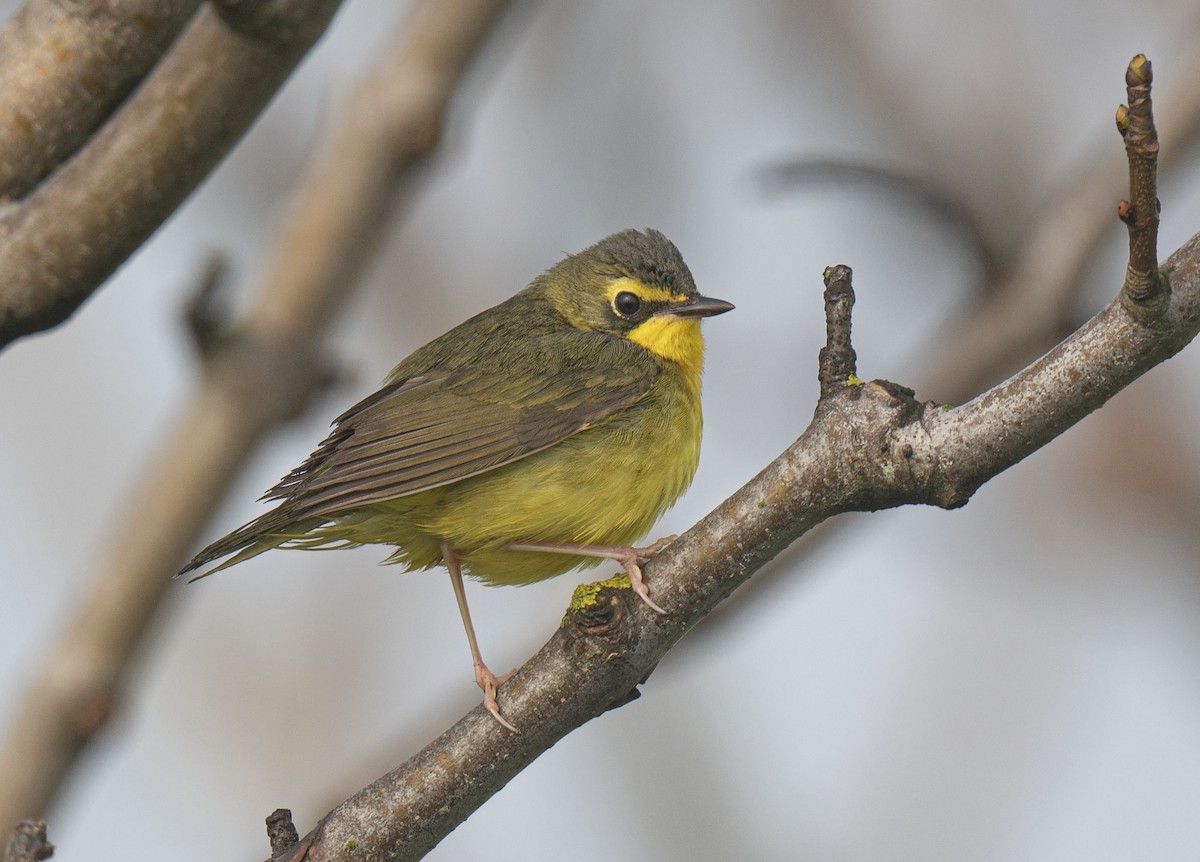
(869, 447)
(62, 241)
(1026, 312)
(256, 375)
(64, 67)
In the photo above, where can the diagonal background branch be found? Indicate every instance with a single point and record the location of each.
(63, 240)
(258, 375)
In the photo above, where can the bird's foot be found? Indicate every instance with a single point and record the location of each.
(631, 563)
(631, 560)
(489, 682)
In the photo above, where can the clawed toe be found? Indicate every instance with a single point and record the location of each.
(630, 564)
(489, 682)
(644, 554)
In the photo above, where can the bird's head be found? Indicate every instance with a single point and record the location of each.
(634, 285)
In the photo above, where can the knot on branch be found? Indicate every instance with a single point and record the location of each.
(874, 452)
(599, 608)
(601, 621)
(871, 435)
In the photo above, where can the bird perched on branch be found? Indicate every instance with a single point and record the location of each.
(547, 433)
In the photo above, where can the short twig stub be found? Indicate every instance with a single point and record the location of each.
(281, 832)
(837, 363)
(28, 843)
(1140, 213)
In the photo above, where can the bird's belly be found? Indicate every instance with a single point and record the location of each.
(604, 486)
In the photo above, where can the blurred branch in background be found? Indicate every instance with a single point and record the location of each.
(795, 177)
(60, 243)
(64, 67)
(257, 374)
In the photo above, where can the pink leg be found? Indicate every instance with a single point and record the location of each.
(484, 678)
(629, 558)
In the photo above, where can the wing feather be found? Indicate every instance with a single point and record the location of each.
(441, 427)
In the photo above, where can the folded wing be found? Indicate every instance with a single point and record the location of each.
(442, 427)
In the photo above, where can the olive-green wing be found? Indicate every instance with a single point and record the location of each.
(441, 427)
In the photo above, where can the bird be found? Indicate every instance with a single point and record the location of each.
(547, 433)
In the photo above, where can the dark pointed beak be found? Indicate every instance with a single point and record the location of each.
(699, 306)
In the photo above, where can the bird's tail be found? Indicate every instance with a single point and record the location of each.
(275, 529)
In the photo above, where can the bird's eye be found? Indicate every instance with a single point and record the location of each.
(627, 304)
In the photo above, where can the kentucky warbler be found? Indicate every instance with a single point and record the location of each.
(542, 435)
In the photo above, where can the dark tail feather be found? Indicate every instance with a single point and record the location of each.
(272, 530)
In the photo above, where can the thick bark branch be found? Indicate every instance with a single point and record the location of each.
(256, 375)
(63, 240)
(64, 67)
